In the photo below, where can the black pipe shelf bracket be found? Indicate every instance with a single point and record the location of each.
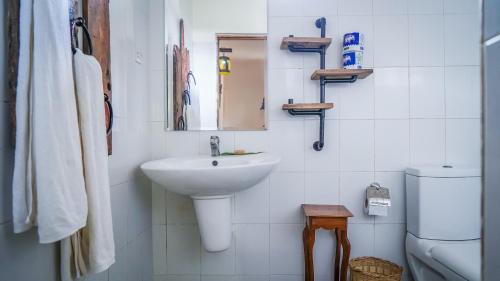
(325, 76)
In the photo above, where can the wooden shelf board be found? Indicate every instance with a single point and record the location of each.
(307, 106)
(341, 73)
(305, 42)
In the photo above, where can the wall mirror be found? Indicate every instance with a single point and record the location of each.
(216, 55)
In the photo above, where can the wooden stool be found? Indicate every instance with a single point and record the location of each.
(330, 217)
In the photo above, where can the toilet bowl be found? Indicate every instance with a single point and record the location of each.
(443, 223)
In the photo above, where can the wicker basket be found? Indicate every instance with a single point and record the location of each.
(374, 269)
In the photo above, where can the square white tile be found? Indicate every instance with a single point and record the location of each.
(395, 181)
(462, 7)
(462, 39)
(158, 95)
(322, 188)
(159, 249)
(392, 145)
(252, 249)
(158, 143)
(463, 142)
(285, 8)
(391, 93)
(324, 254)
(357, 145)
(391, 41)
(427, 141)
(362, 240)
(356, 99)
(252, 205)
(183, 249)
(119, 212)
(180, 209)
(463, 92)
(287, 195)
(252, 141)
(158, 198)
(284, 278)
(425, 7)
(287, 252)
(390, 242)
(426, 40)
(328, 158)
(355, 7)
(353, 193)
(287, 141)
(219, 263)
(219, 278)
(182, 143)
(253, 277)
(427, 96)
(181, 278)
(319, 8)
(390, 7)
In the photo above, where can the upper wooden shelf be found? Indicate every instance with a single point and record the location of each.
(307, 106)
(305, 42)
(341, 73)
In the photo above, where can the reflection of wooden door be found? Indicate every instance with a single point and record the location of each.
(241, 93)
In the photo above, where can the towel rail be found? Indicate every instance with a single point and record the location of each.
(80, 22)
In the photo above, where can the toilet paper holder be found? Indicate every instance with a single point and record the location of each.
(378, 200)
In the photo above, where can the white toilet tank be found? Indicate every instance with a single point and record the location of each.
(443, 202)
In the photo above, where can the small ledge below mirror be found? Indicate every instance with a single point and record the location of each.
(341, 73)
(304, 42)
(307, 106)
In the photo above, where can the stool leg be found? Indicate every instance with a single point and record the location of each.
(306, 254)
(337, 255)
(346, 251)
(311, 237)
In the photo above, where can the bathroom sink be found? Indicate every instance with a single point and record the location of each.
(211, 183)
(208, 176)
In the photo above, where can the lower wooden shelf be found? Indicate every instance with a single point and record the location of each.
(341, 73)
(307, 106)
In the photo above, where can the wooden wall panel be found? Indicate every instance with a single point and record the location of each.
(96, 13)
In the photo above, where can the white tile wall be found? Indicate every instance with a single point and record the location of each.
(420, 107)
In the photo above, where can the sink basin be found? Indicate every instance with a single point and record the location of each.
(211, 183)
(200, 176)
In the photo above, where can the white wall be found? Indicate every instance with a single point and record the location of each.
(21, 257)
(421, 106)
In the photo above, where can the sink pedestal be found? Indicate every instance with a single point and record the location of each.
(214, 221)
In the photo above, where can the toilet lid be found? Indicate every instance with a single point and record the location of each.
(462, 258)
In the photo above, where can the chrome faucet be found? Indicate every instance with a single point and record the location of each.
(214, 146)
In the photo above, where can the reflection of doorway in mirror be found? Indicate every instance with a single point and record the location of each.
(241, 101)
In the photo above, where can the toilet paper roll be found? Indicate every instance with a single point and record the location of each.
(352, 60)
(353, 41)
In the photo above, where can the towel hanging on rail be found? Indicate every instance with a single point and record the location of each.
(48, 184)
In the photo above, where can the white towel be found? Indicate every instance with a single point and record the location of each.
(23, 215)
(48, 186)
(96, 238)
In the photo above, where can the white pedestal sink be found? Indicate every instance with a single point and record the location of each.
(211, 182)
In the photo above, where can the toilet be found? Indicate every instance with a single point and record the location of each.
(443, 223)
